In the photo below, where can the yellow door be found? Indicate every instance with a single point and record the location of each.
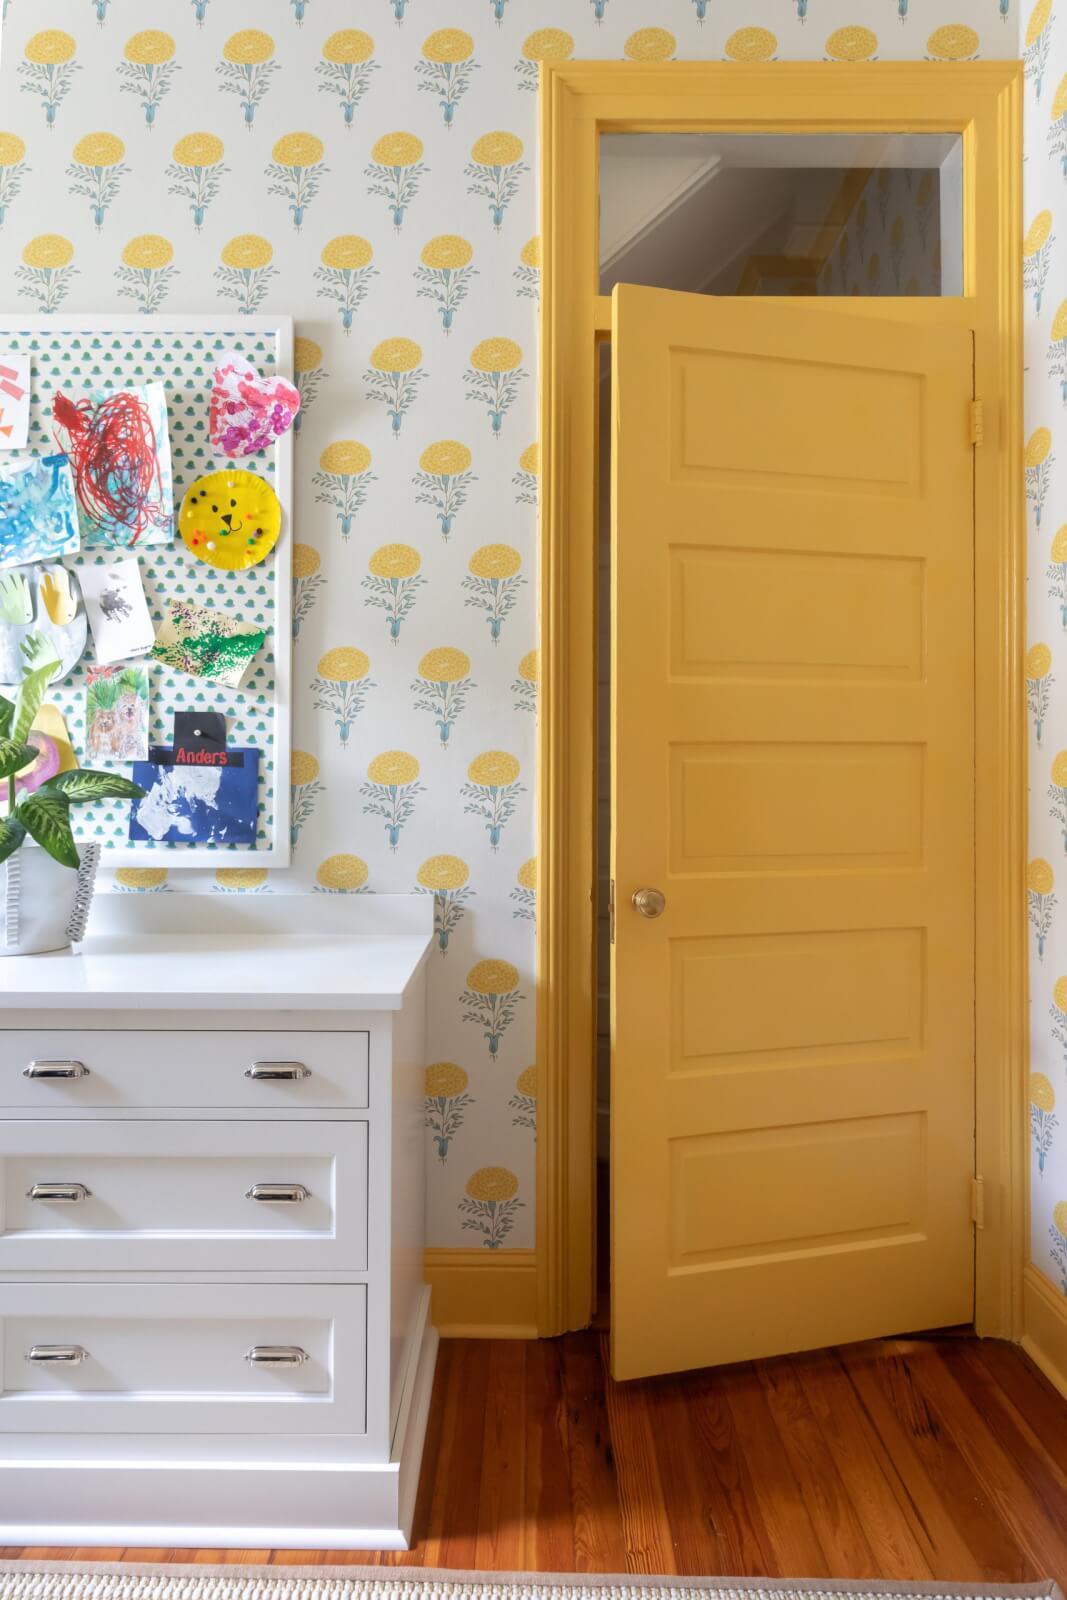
(793, 693)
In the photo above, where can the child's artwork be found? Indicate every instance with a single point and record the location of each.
(196, 804)
(116, 712)
(118, 611)
(55, 754)
(119, 451)
(14, 400)
(231, 519)
(207, 644)
(38, 511)
(249, 411)
(41, 618)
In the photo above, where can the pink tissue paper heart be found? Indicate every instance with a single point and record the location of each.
(249, 411)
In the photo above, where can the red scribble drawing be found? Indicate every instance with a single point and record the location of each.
(114, 456)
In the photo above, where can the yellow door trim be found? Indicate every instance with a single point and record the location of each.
(982, 102)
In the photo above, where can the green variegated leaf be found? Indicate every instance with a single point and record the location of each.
(12, 834)
(7, 716)
(84, 784)
(28, 700)
(14, 755)
(46, 818)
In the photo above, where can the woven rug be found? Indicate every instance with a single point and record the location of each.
(39, 1580)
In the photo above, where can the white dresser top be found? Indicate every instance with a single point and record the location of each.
(284, 952)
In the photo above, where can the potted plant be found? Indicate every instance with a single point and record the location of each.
(47, 891)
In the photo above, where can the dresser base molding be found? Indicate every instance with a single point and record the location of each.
(306, 1505)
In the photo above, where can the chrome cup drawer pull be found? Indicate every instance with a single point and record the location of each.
(278, 1071)
(57, 1355)
(276, 1355)
(59, 1194)
(278, 1194)
(56, 1069)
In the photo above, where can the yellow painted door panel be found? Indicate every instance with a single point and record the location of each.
(793, 768)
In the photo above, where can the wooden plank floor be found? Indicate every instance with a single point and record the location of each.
(932, 1458)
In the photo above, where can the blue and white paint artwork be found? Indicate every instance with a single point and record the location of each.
(38, 510)
(196, 805)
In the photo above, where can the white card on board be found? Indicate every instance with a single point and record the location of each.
(14, 400)
(117, 609)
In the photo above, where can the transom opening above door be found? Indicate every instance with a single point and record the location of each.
(783, 214)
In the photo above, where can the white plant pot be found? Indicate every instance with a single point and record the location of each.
(45, 905)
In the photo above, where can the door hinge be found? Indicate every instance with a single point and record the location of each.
(978, 1202)
(611, 911)
(977, 422)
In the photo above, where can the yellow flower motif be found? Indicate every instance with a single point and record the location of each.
(348, 47)
(198, 150)
(1059, 100)
(345, 458)
(150, 48)
(248, 48)
(548, 44)
(445, 459)
(50, 48)
(306, 561)
(496, 149)
(751, 44)
(395, 561)
(1037, 233)
(530, 254)
(298, 150)
(851, 44)
(493, 769)
(347, 253)
(444, 1079)
(1038, 661)
(1037, 447)
(1038, 20)
(307, 355)
(496, 355)
(1059, 323)
(141, 877)
(526, 1082)
(303, 768)
(397, 150)
(448, 45)
(247, 251)
(48, 250)
(495, 561)
(526, 877)
(1039, 879)
(953, 42)
(240, 877)
(345, 664)
(395, 355)
(342, 872)
(650, 44)
(1059, 995)
(443, 872)
(444, 665)
(99, 150)
(1059, 545)
(448, 251)
(529, 667)
(1042, 1094)
(148, 251)
(12, 150)
(530, 460)
(393, 768)
(1059, 1218)
(497, 1183)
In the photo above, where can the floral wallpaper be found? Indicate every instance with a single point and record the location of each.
(370, 168)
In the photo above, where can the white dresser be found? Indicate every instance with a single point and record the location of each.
(213, 1323)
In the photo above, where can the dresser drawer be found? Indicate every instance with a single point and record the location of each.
(96, 1196)
(191, 1358)
(48, 1069)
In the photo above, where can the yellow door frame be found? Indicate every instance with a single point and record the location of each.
(982, 102)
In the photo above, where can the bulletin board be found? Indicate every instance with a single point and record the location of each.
(75, 353)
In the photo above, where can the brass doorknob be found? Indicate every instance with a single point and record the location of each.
(650, 902)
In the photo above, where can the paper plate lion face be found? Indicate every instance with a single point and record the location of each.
(230, 519)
